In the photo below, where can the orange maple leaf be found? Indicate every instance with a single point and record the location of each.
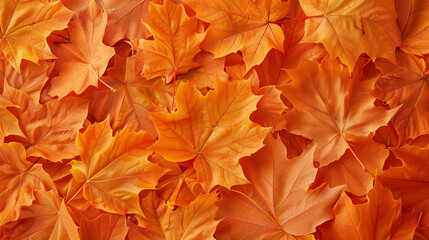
(349, 28)
(103, 226)
(9, 124)
(413, 23)
(82, 56)
(114, 169)
(250, 29)
(125, 20)
(348, 171)
(379, 218)
(46, 218)
(41, 18)
(277, 204)
(31, 79)
(19, 180)
(405, 85)
(409, 181)
(48, 130)
(134, 97)
(213, 130)
(332, 122)
(176, 42)
(183, 222)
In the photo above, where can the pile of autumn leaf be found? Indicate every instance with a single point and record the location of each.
(226, 119)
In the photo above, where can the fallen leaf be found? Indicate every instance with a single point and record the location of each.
(176, 42)
(213, 130)
(21, 19)
(46, 218)
(349, 28)
(275, 206)
(114, 169)
(82, 56)
(332, 122)
(379, 218)
(404, 84)
(250, 29)
(19, 180)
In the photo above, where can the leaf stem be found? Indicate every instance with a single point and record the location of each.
(107, 85)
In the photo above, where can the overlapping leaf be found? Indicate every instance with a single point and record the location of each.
(349, 28)
(46, 218)
(213, 130)
(332, 122)
(82, 56)
(124, 20)
(48, 130)
(250, 29)
(348, 171)
(103, 226)
(275, 205)
(413, 23)
(379, 218)
(133, 98)
(405, 180)
(194, 221)
(20, 179)
(21, 19)
(114, 169)
(405, 84)
(176, 42)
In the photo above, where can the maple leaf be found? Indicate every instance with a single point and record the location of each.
(410, 180)
(276, 205)
(82, 56)
(213, 130)
(114, 169)
(178, 187)
(31, 79)
(9, 124)
(379, 218)
(134, 97)
(76, 204)
(183, 222)
(272, 70)
(154, 209)
(250, 29)
(295, 144)
(19, 180)
(205, 75)
(405, 84)
(48, 130)
(347, 170)
(270, 109)
(349, 28)
(41, 18)
(125, 20)
(46, 218)
(332, 122)
(176, 42)
(413, 23)
(103, 226)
